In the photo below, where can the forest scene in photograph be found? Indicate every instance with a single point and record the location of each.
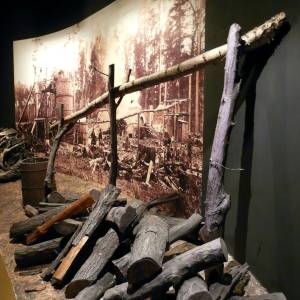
(160, 129)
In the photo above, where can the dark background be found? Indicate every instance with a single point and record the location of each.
(263, 224)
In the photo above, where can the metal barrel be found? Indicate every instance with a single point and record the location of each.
(33, 173)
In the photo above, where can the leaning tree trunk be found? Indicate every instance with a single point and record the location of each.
(217, 201)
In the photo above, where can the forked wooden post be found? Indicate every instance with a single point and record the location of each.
(217, 201)
(113, 126)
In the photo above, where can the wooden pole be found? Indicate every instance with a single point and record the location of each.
(113, 126)
(217, 201)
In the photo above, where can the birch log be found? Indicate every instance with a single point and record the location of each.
(262, 33)
(217, 201)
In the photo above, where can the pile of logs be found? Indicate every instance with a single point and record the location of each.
(101, 246)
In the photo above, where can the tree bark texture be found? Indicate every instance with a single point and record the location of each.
(190, 225)
(97, 290)
(38, 254)
(174, 271)
(92, 267)
(217, 201)
(148, 250)
(194, 288)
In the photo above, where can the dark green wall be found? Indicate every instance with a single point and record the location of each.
(263, 226)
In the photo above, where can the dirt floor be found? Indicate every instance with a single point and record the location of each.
(11, 211)
(31, 286)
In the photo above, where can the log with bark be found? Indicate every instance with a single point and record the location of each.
(121, 266)
(30, 211)
(221, 290)
(67, 227)
(194, 288)
(148, 250)
(217, 201)
(273, 296)
(49, 272)
(92, 267)
(69, 211)
(260, 34)
(38, 254)
(19, 229)
(177, 248)
(174, 271)
(121, 217)
(107, 199)
(97, 290)
(186, 228)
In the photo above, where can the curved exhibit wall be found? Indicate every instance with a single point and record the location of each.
(159, 129)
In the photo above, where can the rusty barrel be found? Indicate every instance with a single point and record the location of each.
(33, 173)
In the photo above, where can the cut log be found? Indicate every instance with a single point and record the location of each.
(21, 228)
(66, 227)
(70, 210)
(263, 32)
(122, 264)
(221, 290)
(38, 254)
(177, 248)
(191, 225)
(172, 221)
(148, 250)
(273, 296)
(194, 288)
(56, 197)
(97, 290)
(121, 217)
(107, 198)
(30, 211)
(175, 271)
(92, 267)
(217, 201)
(49, 272)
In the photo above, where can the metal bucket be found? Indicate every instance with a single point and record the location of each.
(33, 173)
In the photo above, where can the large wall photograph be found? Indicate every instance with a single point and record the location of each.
(160, 129)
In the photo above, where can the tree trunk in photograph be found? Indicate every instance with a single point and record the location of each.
(92, 267)
(113, 126)
(217, 201)
(193, 289)
(174, 271)
(261, 34)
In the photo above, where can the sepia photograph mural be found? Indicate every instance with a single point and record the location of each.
(160, 129)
